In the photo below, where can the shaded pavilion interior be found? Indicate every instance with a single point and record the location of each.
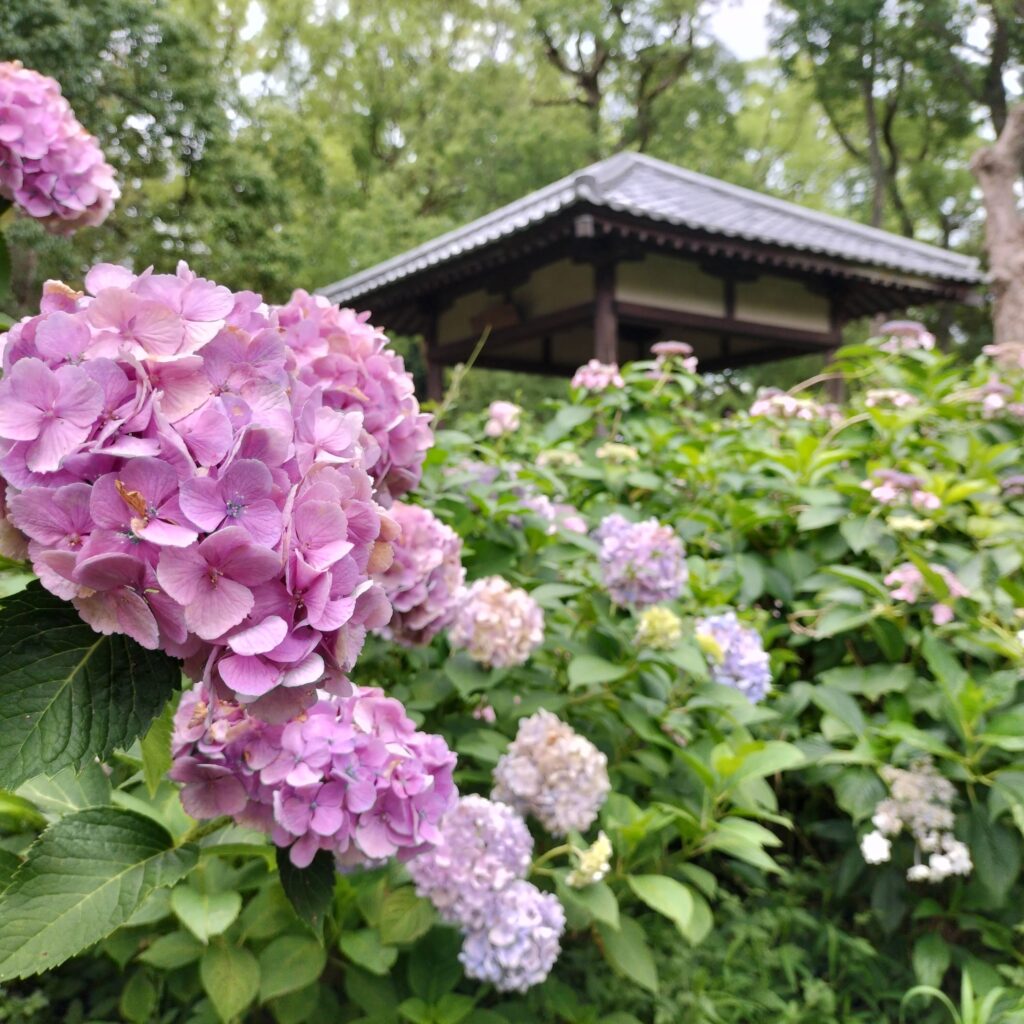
(633, 250)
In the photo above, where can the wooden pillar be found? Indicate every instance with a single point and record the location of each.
(834, 387)
(606, 320)
(435, 369)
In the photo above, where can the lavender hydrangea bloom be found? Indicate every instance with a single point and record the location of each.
(498, 624)
(485, 846)
(641, 563)
(177, 483)
(425, 576)
(339, 350)
(553, 773)
(519, 944)
(50, 166)
(738, 658)
(352, 775)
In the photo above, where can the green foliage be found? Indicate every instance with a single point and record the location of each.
(85, 876)
(68, 694)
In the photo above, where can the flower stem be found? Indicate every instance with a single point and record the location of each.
(202, 829)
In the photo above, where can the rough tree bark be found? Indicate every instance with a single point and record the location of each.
(999, 168)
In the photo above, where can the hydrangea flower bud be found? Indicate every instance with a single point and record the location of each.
(498, 624)
(641, 563)
(736, 654)
(592, 864)
(519, 943)
(485, 846)
(658, 628)
(352, 775)
(553, 773)
(425, 576)
(50, 166)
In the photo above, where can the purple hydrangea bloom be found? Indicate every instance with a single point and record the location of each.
(425, 577)
(351, 775)
(179, 484)
(485, 846)
(736, 654)
(518, 944)
(641, 563)
(340, 351)
(50, 166)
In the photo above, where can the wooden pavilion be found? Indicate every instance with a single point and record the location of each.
(633, 250)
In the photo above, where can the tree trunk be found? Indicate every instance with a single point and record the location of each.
(998, 168)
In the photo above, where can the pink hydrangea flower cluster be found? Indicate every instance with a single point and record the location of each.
(502, 418)
(905, 336)
(339, 350)
(890, 487)
(772, 403)
(557, 514)
(553, 773)
(484, 847)
(666, 352)
(641, 563)
(178, 484)
(425, 577)
(498, 624)
(597, 376)
(893, 398)
(351, 775)
(50, 166)
(908, 581)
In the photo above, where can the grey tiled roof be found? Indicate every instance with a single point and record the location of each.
(644, 187)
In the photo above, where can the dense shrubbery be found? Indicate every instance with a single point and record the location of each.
(874, 546)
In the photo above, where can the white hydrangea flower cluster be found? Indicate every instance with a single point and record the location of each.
(498, 624)
(592, 864)
(921, 803)
(553, 773)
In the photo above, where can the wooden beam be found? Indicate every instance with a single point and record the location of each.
(636, 313)
(606, 323)
(573, 316)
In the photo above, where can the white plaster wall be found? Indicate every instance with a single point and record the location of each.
(670, 284)
(781, 302)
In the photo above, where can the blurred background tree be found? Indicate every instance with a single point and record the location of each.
(285, 143)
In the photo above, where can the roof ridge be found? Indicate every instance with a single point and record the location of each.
(785, 205)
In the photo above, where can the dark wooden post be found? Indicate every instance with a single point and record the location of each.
(435, 369)
(606, 319)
